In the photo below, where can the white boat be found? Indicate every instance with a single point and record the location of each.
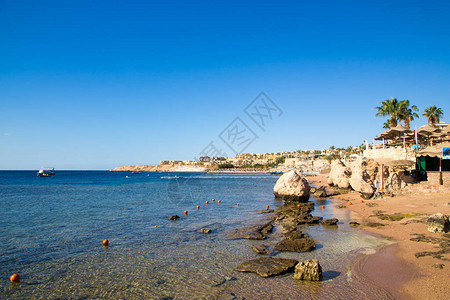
(46, 172)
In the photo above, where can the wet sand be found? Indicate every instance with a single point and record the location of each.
(395, 267)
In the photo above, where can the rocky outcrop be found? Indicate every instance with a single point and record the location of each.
(292, 187)
(253, 232)
(360, 181)
(361, 174)
(298, 245)
(174, 217)
(205, 230)
(339, 175)
(319, 192)
(290, 216)
(308, 270)
(268, 266)
(260, 249)
(329, 222)
(438, 223)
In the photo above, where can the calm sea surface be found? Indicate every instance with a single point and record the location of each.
(51, 233)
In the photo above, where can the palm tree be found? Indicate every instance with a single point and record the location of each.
(406, 113)
(390, 108)
(386, 125)
(433, 114)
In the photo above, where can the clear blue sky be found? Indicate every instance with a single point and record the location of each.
(98, 84)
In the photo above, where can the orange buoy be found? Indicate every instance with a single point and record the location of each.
(207, 202)
(198, 206)
(213, 199)
(267, 206)
(350, 203)
(218, 201)
(105, 243)
(15, 278)
(156, 226)
(362, 201)
(298, 205)
(323, 206)
(237, 204)
(124, 237)
(185, 212)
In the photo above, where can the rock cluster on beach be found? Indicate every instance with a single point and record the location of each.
(360, 176)
(289, 216)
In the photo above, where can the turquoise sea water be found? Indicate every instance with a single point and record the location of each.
(51, 233)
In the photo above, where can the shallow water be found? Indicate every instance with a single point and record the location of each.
(51, 232)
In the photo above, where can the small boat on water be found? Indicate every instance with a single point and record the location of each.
(136, 172)
(46, 172)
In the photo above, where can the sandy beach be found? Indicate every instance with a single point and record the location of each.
(396, 267)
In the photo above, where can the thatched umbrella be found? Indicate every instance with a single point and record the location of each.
(399, 131)
(383, 135)
(428, 131)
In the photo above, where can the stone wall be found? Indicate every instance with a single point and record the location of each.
(391, 153)
(433, 178)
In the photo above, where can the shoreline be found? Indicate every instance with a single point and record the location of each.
(395, 267)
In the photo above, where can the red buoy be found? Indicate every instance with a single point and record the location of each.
(15, 278)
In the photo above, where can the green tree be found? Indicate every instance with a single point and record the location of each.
(391, 108)
(386, 125)
(433, 114)
(407, 113)
(280, 160)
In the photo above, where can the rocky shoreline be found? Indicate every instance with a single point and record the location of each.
(383, 269)
(295, 212)
(414, 265)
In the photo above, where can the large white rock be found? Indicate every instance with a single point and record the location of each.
(339, 175)
(360, 181)
(292, 187)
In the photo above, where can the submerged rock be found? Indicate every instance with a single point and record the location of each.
(174, 217)
(205, 230)
(438, 223)
(268, 266)
(332, 221)
(308, 270)
(253, 232)
(260, 249)
(292, 187)
(298, 245)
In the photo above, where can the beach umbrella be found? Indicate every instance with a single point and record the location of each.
(427, 130)
(442, 132)
(383, 135)
(399, 129)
